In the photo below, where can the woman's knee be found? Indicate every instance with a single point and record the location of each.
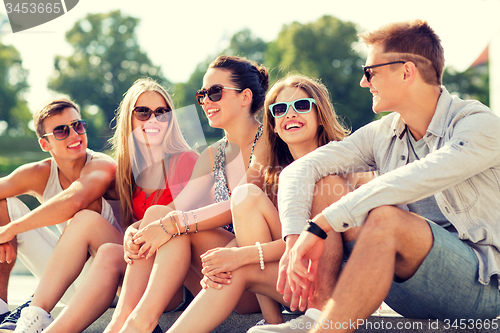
(110, 255)
(154, 213)
(245, 195)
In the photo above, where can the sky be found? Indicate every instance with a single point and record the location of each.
(178, 35)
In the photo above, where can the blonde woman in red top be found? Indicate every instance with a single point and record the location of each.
(154, 165)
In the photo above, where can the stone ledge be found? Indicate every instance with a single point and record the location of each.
(237, 323)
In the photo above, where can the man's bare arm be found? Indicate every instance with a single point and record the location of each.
(95, 179)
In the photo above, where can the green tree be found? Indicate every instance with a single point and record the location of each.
(14, 112)
(184, 95)
(473, 83)
(245, 44)
(325, 49)
(107, 59)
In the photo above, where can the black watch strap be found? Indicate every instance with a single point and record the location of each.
(314, 229)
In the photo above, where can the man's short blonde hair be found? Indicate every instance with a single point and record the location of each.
(413, 41)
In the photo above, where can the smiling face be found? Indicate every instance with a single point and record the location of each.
(297, 128)
(151, 131)
(74, 146)
(228, 108)
(384, 82)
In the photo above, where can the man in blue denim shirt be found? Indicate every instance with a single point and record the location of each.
(430, 233)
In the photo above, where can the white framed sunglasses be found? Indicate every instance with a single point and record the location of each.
(303, 105)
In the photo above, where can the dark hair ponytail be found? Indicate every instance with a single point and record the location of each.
(246, 74)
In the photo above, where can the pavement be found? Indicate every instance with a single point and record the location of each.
(21, 286)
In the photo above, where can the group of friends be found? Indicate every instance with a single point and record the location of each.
(288, 209)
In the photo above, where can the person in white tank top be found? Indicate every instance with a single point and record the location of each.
(70, 187)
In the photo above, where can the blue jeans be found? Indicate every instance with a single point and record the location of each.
(446, 285)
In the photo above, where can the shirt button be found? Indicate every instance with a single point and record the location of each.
(403, 157)
(345, 225)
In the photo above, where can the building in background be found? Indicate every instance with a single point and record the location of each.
(491, 56)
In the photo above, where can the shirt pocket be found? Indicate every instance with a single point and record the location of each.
(462, 196)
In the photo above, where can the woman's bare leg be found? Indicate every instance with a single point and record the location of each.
(171, 266)
(95, 294)
(255, 219)
(135, 280)
(86, 232)
(212, 306)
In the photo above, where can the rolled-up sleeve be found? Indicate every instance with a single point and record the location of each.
(298, 180)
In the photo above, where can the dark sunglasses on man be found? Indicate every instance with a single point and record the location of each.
(214, 93)
(367, 70)
(303, 105)
(61, 132)
(143, 113)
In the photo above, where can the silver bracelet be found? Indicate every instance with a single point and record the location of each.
(166, 229)
(174, 224)
(261, 255)
(195, 221)
(186, 222)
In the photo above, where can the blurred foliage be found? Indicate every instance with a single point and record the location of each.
(184, 95)
(14, 112)
(107, 60)
(244, 43)
(474, 83)
(325, 49)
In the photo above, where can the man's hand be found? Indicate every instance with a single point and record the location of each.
(131, 250)
(304, 259)
(7, 253)
(298, 297)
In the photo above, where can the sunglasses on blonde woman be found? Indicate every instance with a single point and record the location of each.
(61, 132)
(214, 93)
(143, 113)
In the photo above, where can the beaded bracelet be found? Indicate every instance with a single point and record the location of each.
(186, 222)
(175, 225)
(174, 235)
(261, 255)
(195, 222)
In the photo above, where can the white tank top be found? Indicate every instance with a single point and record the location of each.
(54, 187)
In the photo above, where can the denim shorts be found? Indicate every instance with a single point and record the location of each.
(446, 285)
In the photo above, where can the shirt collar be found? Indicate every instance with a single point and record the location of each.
(437, 125)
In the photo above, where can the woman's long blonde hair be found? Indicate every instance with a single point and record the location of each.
(329, 127)
(126, 155)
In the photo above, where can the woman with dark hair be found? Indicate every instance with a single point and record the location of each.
(299, 118)
(164, 252)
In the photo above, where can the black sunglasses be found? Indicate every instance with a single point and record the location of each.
(143, 113)
(214, 93)
(367, 69)
(61, 132)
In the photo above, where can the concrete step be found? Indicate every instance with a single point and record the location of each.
(384, 320)
(237, 323)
